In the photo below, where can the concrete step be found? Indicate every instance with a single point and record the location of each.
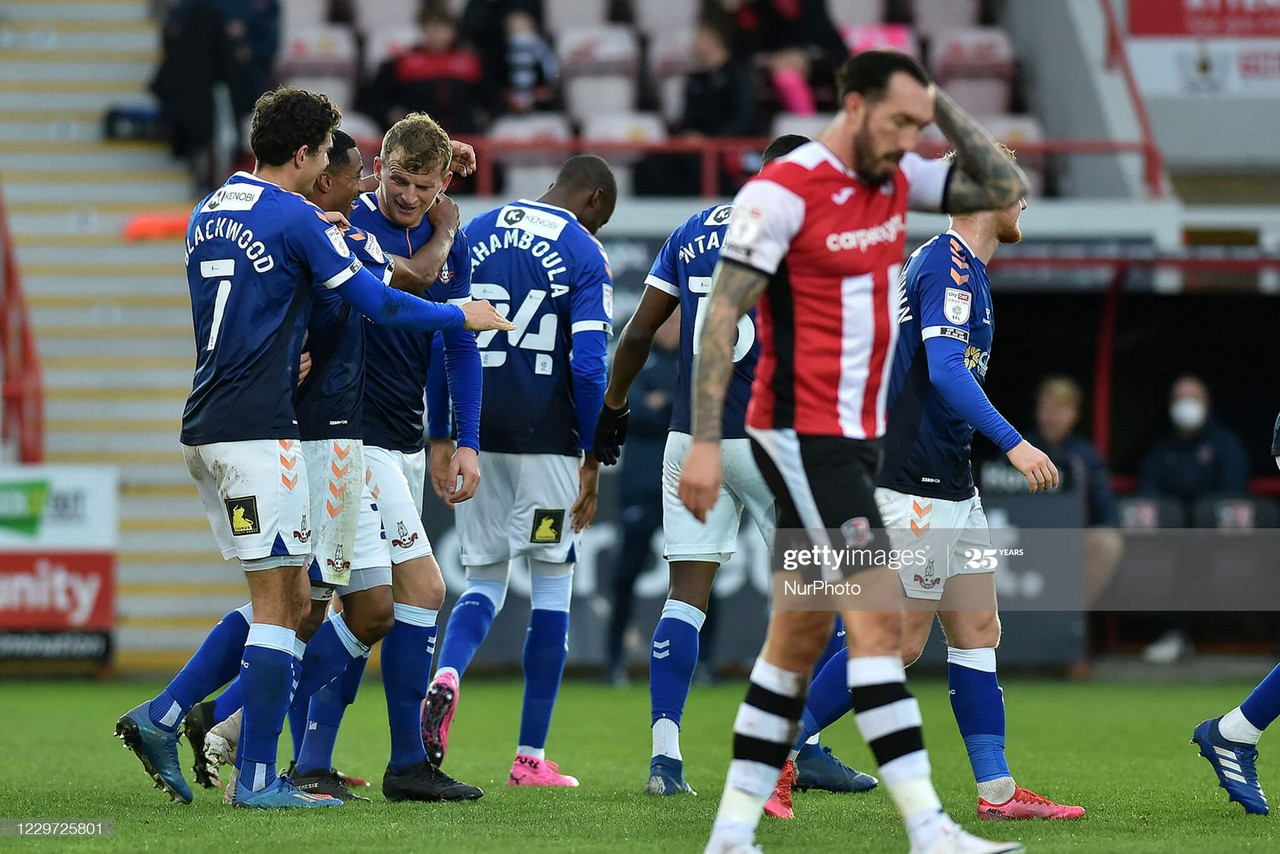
(70, 10)
(212, 571)
(145, 254)
(71, 286)
(80, 155)
(131, 470)
(168, 648)
(143, 506)
(167, 193)
(156, 404)
(192, 602)
(68, 341)
(79, 35)
(106, 378)
(161, 542)
(79, 124)
(92, 440)
(106, 310)
(43, 65)
(63, 95)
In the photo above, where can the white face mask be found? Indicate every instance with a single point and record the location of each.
(1187, 413)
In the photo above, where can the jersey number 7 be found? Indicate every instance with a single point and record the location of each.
(212, 270)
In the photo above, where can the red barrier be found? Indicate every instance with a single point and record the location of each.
(22, 388)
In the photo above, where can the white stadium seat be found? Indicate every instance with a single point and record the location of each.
(588, 96)
(671, 98)
(624, 127)
(975, 66)
(610, 48)
(323, 50)
(938, 17)
(855, 12)
(528, 182)
(671, 54)
(364, 130)
(300, 14)
(535, 126)
(382, 45)
(340, 90)
(810, 126)
(661, 19)
(561, 15)
(374, 15)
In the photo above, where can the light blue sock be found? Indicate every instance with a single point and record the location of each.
(673, 659)
(267, 673)
(405, 679)
(978, 704)
(213, 665)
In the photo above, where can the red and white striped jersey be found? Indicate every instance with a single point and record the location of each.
(832, 245)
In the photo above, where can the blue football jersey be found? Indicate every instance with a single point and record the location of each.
(397, 360)
(253, 252)
(945, 292)
(683, 268)
(330, 401)
(551, 278)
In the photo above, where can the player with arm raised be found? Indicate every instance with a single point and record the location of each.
(681, 277)
(928, 499)
(816, 239)
(544, 383)
(254, 249)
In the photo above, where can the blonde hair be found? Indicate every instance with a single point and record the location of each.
(1008, 152)
(424, 146)
(1062, 389)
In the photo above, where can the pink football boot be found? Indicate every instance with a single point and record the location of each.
(1026, 804)
(437, 714)
(530, 771)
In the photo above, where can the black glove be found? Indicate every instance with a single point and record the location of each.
(611, 433)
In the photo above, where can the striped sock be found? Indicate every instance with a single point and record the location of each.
(889, 720)
(762, 734)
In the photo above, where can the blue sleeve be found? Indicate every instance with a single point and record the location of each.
(589, 380)
(591, 313)
(948, 374)
(389, 307)
(461, 355)
(317, 243)
(439, 415)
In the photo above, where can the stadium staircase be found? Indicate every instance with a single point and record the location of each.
(112, 319)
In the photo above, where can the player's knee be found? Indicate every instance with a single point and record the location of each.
(875, 633)
(979, 630)
(433, 590)
(691, 582)
(798, 648)
(372, 626)
(312, 617)
(912, 649)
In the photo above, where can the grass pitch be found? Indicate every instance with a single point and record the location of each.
(1121, 751)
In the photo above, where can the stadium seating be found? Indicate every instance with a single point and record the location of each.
(362, 129)
(537, 126)
(862, 37)
(623, 127)
(1235, 513)
(937, 17)
(810, 126)
(298, 15)
(855, 12)
(588, 96)
(1014, 131)
(340, 90)
(663, 19)
(605, 49)
(1148, 514)
(672, 54)
(528, 182)
(671, 98)
(374, 15)
(321, 50)
(975, 66)
(381, 45)
(561, 15)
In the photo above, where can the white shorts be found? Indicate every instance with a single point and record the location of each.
(743, 488)
(255, 495)
(396, 485)
(335, 469)
(943, 529)
(520, 508)
(370, 564)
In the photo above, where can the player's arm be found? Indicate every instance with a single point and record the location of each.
(660, 299)
(439, 423)
(463, 371)
(983, 178)
(417, 272)
(591, 324)
(735, 288)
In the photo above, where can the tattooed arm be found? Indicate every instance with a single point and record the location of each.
(983, 177)
(734, 290)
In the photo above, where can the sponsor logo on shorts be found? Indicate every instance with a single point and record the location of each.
(243, 515)
(404, 539)
(548, 526)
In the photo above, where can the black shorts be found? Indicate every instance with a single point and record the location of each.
(822, 482)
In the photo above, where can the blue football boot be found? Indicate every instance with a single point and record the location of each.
(818, 768)
(666, 777)
(1234, 763)
(156, 749)
(280, 794)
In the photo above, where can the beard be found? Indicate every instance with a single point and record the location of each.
(867, 164)
(1010, 232)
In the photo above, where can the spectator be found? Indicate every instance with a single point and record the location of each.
(532, 68)
(1199, 459)
(720, 97)
(640, 495)
(1058, 403)
(436, 76)
(795, 40)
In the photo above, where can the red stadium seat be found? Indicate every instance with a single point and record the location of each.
(939, 17)
(561, 15)
(588, 96)
(855, 12)
(605, 49)
(323, 50)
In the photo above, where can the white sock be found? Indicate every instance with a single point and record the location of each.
(727, 833)
(997, 791)
(923, 828)
(666, 738)
(1234, 726)
(535, 752)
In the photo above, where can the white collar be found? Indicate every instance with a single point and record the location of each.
(564, 211)
(966, 246)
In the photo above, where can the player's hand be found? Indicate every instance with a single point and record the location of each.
(584, 509)
(1035, 466)
(482, 316)
(611, 433)
(464, 158)
(441, 460)
(338, 219)
(444, 214)
(304, 366)
(700, 478)
(466, 465)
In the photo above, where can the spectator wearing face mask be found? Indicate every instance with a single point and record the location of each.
(1200, 457)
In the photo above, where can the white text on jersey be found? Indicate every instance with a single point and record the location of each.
(225, 228)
